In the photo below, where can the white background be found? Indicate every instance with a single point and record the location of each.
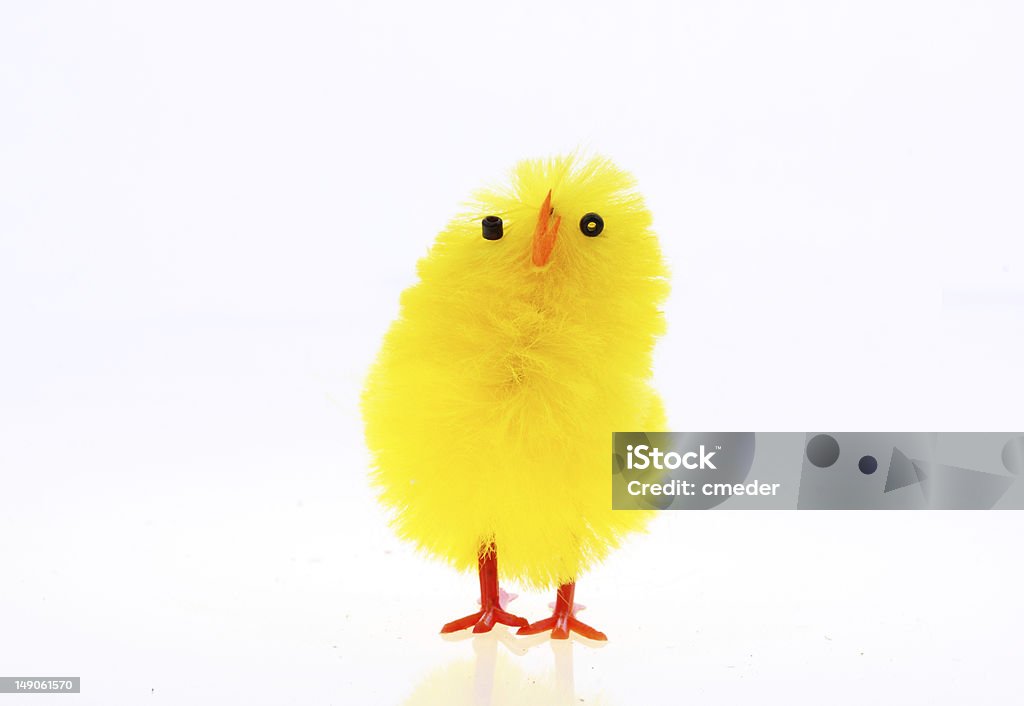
(207, 211)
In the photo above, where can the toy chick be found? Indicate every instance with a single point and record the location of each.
(490, 409)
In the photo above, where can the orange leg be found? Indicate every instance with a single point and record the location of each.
(490, 611)
(562, 622)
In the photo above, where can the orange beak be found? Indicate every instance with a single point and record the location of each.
(545, 233)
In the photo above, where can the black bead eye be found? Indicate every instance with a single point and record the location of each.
(591, 225)
(493, 229)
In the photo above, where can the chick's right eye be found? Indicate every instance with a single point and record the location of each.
(492, 228)
(591, 225)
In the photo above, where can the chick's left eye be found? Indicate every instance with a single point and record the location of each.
(591, 225)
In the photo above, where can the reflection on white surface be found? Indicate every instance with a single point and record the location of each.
(494, 676)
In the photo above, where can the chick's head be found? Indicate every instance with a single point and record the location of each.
(566, 236)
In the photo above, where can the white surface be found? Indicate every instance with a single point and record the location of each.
(207, 212)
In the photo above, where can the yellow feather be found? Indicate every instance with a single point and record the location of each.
(490, 408)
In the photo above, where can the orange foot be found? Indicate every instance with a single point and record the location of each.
(484, 620)
(563, 621)
(492, 600)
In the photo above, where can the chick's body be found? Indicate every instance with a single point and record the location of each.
(490, 409)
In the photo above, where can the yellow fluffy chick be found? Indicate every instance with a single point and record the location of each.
(525, 343)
